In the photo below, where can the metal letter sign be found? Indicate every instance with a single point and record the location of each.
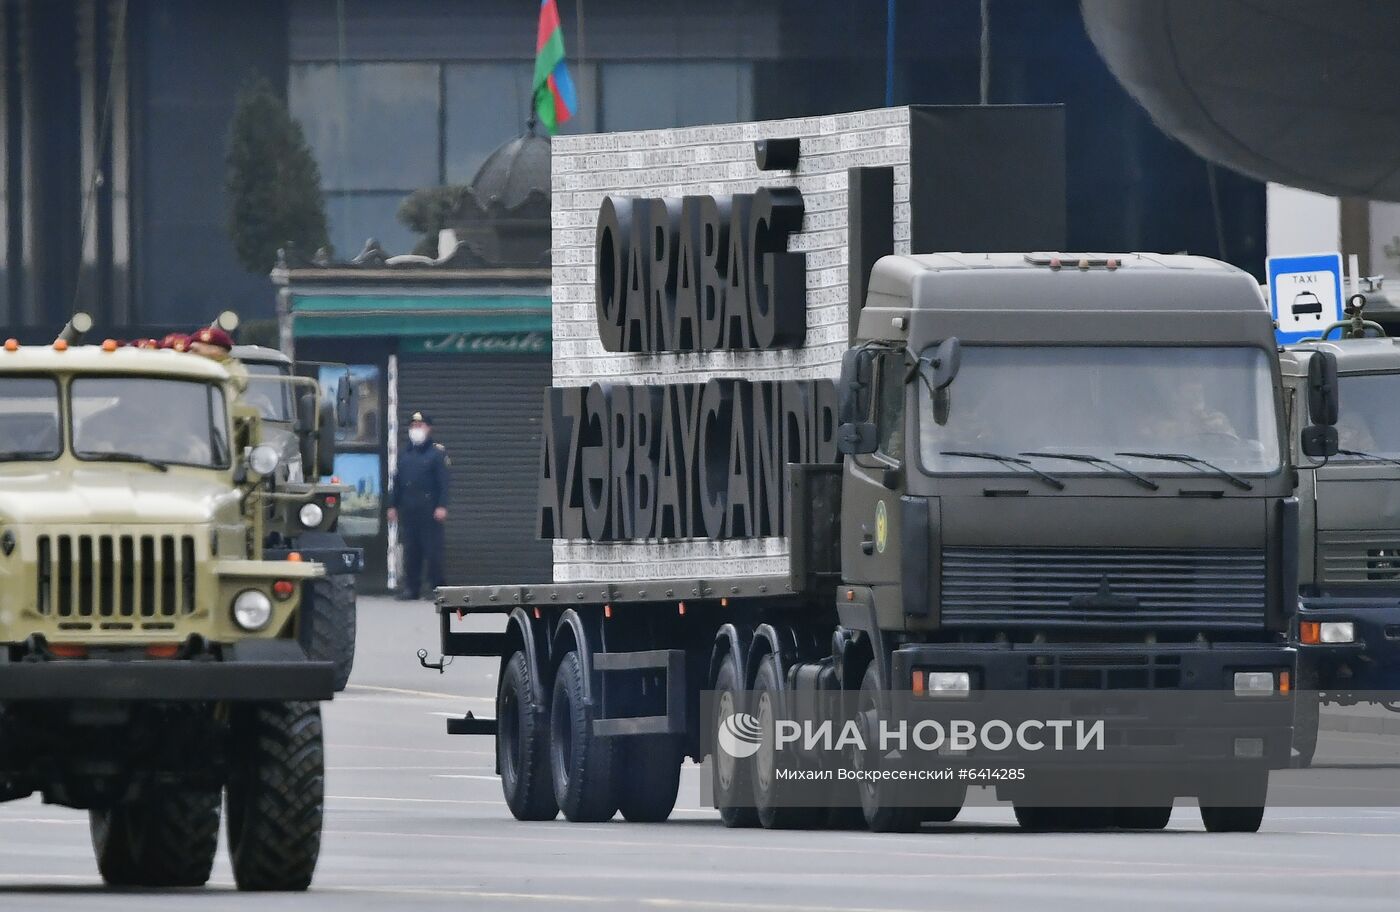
(1305, 293)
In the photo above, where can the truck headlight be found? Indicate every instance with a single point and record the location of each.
(311, 515)
(252, 610)
(263, 459)
(1254, 683)
(942, 683)
(1337, 632)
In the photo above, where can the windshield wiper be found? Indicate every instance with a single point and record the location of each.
(1024, 464)
(124, 457)
(26, 454)
(1375, 456)
(1190, 460)
(1120, 471)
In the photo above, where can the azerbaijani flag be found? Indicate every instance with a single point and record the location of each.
(555, 99)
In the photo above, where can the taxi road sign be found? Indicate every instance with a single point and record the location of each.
(1305, 293)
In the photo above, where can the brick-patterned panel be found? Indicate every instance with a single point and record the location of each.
(716, 160)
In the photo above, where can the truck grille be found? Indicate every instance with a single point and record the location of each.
(1359, 557)
(122, 577)
(1038, 587)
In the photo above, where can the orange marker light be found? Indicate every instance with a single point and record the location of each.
(607, 611)
(537, 614)
(11, 345)
(918, 684)
(1285, 682)
(59, 345)
(1310, 632)
(109, 345)
(283, 588)
(680, 608)
(294, 557)
(69, 650)
(162, 650)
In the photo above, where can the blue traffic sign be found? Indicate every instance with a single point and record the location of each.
(1305, 293)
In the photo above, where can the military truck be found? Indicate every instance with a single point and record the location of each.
(301, 424)
(1055, 472)
(1348, 625)
(149, 664)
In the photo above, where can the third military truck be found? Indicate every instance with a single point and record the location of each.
(1035, 473)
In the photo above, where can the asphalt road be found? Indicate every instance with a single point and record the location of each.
(415, 818)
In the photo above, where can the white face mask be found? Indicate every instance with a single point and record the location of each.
(417, 435)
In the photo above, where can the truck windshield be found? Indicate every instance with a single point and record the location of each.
(147, 419)
(269, 390)
(1214, 404)
(1368, 421)
(29, 418)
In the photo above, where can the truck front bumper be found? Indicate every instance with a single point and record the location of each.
(1371, 661)
(273, 670)
(1164, 705)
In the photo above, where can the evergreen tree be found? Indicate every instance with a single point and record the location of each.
(273, 184)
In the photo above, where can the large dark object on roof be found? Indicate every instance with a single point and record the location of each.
(1303, 92)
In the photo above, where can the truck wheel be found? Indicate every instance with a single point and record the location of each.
(167, 838)
(581, 763)
(649, 777)
(522, 745)
(732, 786)
(276, 794)
(327, 623)
(771, 798)
(1142, 818)
(1245, 812)
(882, 815)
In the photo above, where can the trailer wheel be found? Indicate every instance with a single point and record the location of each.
(522, 744)
(770, 796)
(649, 777)
(276, 795)
(731, 775)
(166, 838)
(581, 763)
(1245, 812)
(876, 800)
(327, 623)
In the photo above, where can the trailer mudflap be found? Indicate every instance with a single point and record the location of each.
(672, 721)
(471, 725)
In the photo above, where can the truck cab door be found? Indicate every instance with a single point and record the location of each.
(870, 505)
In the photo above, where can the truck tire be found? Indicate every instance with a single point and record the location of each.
(1142, 818)
(581, 764)
(276, 795)
(732, 776)
(166, 838)
(882, 815)
(327, 625)
(648, 777)
(1244, 813)
(522, 744)
(771, 799)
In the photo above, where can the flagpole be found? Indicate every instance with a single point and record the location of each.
(889, 54)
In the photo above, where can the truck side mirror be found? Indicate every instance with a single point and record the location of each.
(346, 404)
(325, 439)
(946, 360)
(856, 433)
(1319, 442)
(1322, 389)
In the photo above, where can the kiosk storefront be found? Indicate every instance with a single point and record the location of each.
(469, 346)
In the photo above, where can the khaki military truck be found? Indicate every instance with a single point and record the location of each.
(300, 425)
(149, 664)
(1348, 626)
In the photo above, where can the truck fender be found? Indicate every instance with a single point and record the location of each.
(578, 633)
(734, 641)
(527, 635)
(858, 614)
(776, 641)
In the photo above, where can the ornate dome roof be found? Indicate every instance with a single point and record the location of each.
(517, 169)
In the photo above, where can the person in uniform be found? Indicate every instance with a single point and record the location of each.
(213, 343)
(419, 505)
